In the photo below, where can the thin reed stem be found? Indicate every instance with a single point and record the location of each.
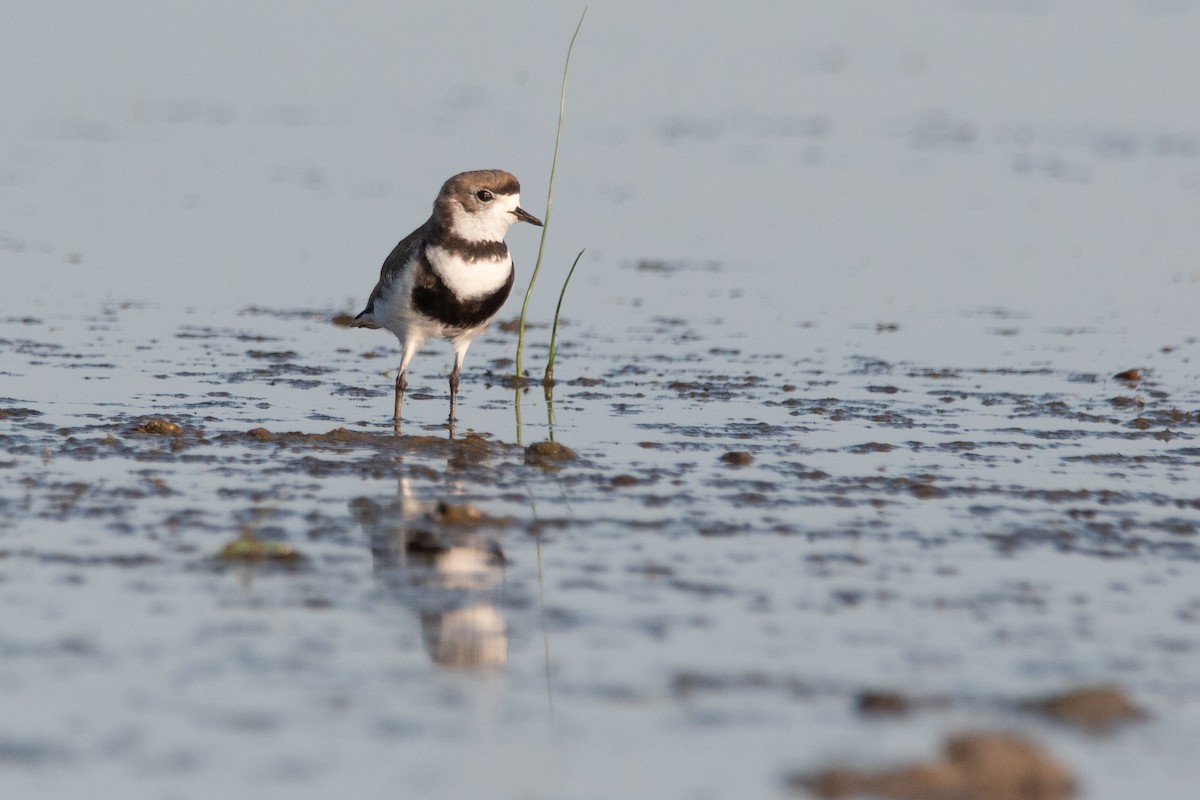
(548, 379)
(562, 102)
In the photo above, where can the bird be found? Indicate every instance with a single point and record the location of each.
(449, 277)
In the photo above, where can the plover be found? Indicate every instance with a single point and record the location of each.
(449, 277)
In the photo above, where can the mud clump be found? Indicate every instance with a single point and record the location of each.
(924, 489)
(871, 447)
(974, 766)
(159, 427)
(1093, 708)
(883, 704)
(367, 452)
(1127, 402)
(548, 455)
(18, 413)
(253, 549)
(1129, 375)
(471, 449)
(737, 458)
(347, 436)
(464, 516)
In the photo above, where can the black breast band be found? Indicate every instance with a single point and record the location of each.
(433, 298)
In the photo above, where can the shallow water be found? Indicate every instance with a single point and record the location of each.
(838, 371)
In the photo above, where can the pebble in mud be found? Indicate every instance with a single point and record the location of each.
(737, 458)
(974, 766)
(254, 549)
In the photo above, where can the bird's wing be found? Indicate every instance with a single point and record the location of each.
(394, 265)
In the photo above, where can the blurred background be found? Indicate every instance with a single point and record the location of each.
(1030, 154)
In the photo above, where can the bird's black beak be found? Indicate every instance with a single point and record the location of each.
(525, 216)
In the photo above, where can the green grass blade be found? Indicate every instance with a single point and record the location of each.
(562, 102)
(549, 377)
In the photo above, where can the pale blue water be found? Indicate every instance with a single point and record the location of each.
(187, 194)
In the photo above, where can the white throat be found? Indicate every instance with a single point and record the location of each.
(490, 223)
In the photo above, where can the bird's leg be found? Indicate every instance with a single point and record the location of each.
(401, 385)
(453, 393)
(460, 351)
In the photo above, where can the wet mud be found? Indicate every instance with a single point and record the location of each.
(974, 766)
(646, 504)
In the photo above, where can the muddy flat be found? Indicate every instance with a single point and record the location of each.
(872, 456)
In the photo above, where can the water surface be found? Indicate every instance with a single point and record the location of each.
(838, 369)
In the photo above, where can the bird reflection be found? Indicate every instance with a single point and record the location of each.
(436, 561)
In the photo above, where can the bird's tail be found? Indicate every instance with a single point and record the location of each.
(364, 320)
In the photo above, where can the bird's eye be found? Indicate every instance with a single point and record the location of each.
(484, 195)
